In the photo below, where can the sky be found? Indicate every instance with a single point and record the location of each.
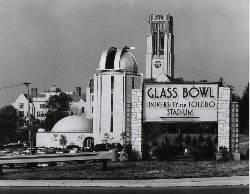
(60, 42)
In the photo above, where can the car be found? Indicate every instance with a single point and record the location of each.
(4, 152)
(73, 151)
(27, 151)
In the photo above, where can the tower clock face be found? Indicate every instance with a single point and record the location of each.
(157, 63)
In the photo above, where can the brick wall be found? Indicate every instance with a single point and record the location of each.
(224, 116)
(136, 121)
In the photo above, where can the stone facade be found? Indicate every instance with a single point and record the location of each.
(136, 121)
(224, 116)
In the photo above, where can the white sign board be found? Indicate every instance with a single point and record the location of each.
(180, 102)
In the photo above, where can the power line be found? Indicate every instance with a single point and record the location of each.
(12, 86)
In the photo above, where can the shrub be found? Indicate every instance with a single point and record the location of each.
(100, 147)
(179, 139)
(188, 140)
(116, 146)
(145, 152)
(194, 142)
(69, 147)
(200, 139)
(166, 151)
(63, 141)
(129, 152)
(223, 154)
(203, 151)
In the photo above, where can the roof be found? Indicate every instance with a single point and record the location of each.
(76, 98)
(73, 124)
(26, 96)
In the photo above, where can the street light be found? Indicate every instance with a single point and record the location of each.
(27, 84)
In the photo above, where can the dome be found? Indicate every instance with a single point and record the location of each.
(128, 62)
(73, 124)
(118, 59)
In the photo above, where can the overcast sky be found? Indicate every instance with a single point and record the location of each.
(60, 42)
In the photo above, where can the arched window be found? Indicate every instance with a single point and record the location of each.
(88, 142)
(110, 58)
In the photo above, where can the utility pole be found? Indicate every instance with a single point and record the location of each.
(27, 84)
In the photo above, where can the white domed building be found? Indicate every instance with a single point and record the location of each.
(77, 130)
(108, 105)
(111, 96)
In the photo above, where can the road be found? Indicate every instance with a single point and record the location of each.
(124, 190)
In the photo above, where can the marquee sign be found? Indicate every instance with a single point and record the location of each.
(180, 102)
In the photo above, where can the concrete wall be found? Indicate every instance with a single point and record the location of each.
(224, 116)
(102, 108)
(118, 107)
(51, 139)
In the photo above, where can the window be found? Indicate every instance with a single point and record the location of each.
(40, 114)
(112, 103)
(154, 42)
(21, 123)
(112, 82)
(133, 82)
(161, 43)
(111, 124)
(88, 142)
(21, 105)
(21, 114)
(43, 106)
(82, 109)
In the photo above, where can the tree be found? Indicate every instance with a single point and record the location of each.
(8, 124)
(244, 111)
(57, 108)
(221, 82)
(188, 140)
(179, 139)
(200, 139)
(194, 142)
(63, 141)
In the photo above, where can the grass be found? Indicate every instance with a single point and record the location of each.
(132, 170)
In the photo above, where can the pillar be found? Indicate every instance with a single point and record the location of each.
(234, 125)
(224, 117)
(136, 122)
